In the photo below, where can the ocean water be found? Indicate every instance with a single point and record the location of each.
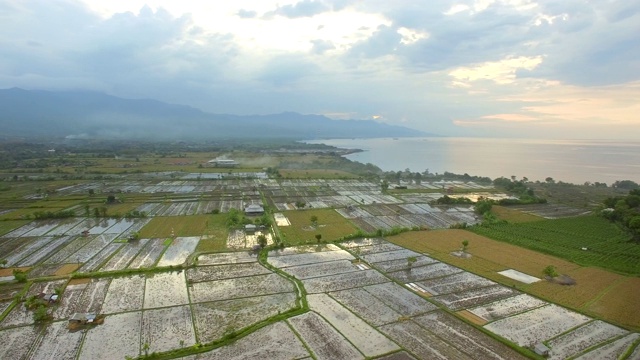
(573, 161)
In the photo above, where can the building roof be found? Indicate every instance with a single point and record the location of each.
(254, 208)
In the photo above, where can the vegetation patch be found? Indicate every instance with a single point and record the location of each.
(168, 226)
(512, 215)
(10, 225)
(331, 225)
(585, 240)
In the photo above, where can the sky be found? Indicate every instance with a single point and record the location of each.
(565, 69)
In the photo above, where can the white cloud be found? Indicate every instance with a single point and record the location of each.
(471, 67)
(501, 72)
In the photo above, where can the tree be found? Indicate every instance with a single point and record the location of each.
(20, 276)
(549, 180)
(410, 261)
(314, 221)
(300, 204)
(91, 192)
(262, 240)
(111, 199)
(483, 206)
(465, 244)
(550, 271)
(145, 348)
(3, 263)
(384, 186)
(40, 314)
(318, 237)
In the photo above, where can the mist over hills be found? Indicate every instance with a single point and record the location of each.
(84, 114)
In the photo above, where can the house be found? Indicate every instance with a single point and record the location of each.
(82, 318)
(50, 298)
(254, 210)
(541, 349)
(223, 163)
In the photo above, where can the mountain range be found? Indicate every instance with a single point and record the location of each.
(85, 114)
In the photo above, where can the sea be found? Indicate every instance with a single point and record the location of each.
(571, 161)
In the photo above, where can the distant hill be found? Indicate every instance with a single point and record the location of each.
(33, 113)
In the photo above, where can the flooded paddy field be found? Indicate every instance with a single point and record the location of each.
(323, 340)
(309, 258)
(507, 307)
(613, 350)
(226, 258)
(122, 330)
(15, 343)
(148, 255)
(322, 269)
(236, 314)
(363, 336)
(368, 307)
(474, 297)
(420, 273)
(57, 342)
(178, 251)
(166, 289)
(582, 338)
(468, 339)
(226, 271)
(421, 342)
(343, 281)
(167, 328)
(124, 294)
(249, 286)
(101, 257)
(51, 246)
(122, 258)
(276, 341)
(537, 325)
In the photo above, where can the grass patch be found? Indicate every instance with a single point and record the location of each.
(513, 216)
(166, 226)
(316, 174)
(7, 226)
(607, 245)
(331, 226)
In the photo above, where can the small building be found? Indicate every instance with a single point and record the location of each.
(223, 163)
(541, 349)
(254, 210)
(250, 228)
(50, 298)
(82, 318)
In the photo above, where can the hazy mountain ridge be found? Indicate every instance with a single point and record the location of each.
(92, 114)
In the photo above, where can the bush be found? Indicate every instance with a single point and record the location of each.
(20, 276)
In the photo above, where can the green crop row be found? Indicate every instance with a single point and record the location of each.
(587, 241)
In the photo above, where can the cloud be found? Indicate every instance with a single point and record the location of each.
(304, 8)
(470, 67)
(246, 14)
(502, 71)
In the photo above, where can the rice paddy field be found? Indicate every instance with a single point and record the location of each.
(584, 240)
(331, 226)
(362, 298)
(488, 257)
